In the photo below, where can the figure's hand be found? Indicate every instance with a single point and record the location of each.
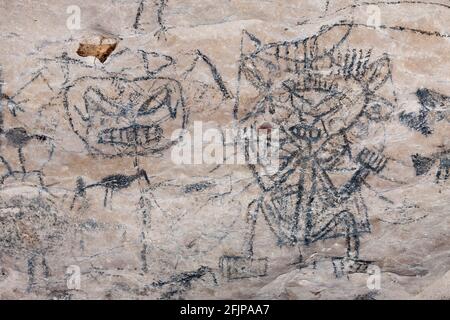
(372, 160)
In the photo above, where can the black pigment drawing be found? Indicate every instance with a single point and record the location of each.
(322, 98)
(329, 100)
(237, 267)
(423, 164)
(123, 115)
(132, 115)
(434, 110)
(19, 139)
(31, 227)
(161, 6)
(19, 145)
(435, 107)
(117, 116)
(178, 284)
(110, 183)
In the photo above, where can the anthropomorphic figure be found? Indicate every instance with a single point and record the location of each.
(322, 101)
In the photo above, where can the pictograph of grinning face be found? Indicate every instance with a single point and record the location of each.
(116, 116)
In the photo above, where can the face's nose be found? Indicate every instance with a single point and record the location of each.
(160, 99)
(306, 132)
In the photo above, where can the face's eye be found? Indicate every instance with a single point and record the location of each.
(314, 98)
(305, 132)
(161, 98)
(96, 101)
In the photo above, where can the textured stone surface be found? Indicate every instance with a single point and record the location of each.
(90, 191)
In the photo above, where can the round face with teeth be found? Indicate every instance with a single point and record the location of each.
(116, 116)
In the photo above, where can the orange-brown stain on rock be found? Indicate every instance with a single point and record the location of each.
(101, 51)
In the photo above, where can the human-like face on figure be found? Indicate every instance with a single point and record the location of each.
(313, 98)
(116, 116)
(314, 82)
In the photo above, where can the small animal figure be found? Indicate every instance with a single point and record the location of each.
(110, 183)
(178, 284)
(435, 107)
(19, 139)
(423, 164)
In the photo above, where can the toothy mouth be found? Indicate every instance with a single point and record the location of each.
(134, 135)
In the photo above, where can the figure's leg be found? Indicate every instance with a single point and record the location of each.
(344, 224)
(31, 270)
(301, 257)
(22, 161)
(40, 177)
(41, 180)
(106, 197)
(245, 266)
(2, 178)
(45, 268)
(110, 199)
(8, 168)
(75, 196)
(351, 235)
(438, 175)
(252, 216)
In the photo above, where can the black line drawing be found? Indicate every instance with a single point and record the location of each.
(131, 114)
(322, 97)
(444, 167)
(215, 73)
(127, 113)
(18, 143)
(13, 104)
(31, 227)
(423, 164)
(137, 19)
(406, 213)
(161, 6)
(237, 267)
(130, 122)
(124, 113)
(208, 96)
(19, 139)
(198, 187)
(110, 183)
(342, 268)
(390, 3)
(177, 285)
(435, 107)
